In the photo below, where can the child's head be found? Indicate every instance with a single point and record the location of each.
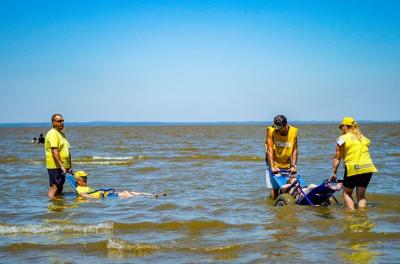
(81, 178)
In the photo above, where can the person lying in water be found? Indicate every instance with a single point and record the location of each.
(294, 190)
(85, 191)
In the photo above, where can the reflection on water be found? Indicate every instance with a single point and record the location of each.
(60, 203)
(357, 244)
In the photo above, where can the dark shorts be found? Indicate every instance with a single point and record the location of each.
(57, 178)
(360, 180)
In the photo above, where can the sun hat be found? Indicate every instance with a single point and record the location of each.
(279, 121)
(347, 121)
(81, 173)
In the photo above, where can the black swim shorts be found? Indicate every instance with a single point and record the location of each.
(360, 180)
(57, 178)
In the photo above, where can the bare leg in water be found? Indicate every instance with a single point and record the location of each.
(348, 199)
(361, 200)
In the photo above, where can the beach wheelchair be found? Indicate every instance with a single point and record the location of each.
(320, 195)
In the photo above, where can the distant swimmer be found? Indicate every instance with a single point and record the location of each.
(353, 147)
(41, 139)
(58, 157)
(85, 191)
(34, 140)
(280, 151)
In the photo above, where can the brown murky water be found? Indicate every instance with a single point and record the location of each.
(215, 210)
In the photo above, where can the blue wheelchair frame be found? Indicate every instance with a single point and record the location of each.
(320, 195)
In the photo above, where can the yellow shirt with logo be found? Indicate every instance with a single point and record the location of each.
(357, 158)
(86, 189)
(56, 139)
(283, 146)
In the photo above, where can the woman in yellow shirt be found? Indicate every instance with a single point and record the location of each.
(353, 147)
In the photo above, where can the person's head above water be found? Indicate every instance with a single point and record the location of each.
(81, 177)
(347, 121)
(280, 124)
(57, 121)
(280, 121)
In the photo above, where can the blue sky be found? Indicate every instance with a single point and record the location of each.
(199, 60)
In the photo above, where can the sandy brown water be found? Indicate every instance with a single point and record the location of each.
(216, 209)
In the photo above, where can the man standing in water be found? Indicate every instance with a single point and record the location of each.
(58, 157)
(281, 151)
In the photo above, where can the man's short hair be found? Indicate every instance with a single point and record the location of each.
(52, 117)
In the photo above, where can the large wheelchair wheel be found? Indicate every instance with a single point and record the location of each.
(284, 199)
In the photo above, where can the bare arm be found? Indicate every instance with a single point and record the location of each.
(295, 155)
(336, 160)
(70, 162)
(266, 147)
(57, 158)
(270, 146)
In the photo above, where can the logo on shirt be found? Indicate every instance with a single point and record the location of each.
(283, 144)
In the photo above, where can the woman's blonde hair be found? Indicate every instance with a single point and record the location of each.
(355, 130)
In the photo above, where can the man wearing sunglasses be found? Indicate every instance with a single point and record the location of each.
(58, 157)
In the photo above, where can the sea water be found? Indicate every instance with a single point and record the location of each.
(216, 209)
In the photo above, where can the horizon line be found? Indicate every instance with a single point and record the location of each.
(25, 124)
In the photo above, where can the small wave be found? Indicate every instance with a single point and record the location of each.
(217, 157)
(122, 246)
(191, 226)
(190, 149)
(11, 159)
(165, 207)
(105, 160)
(147, 169)
(111, 158)
(117, 247)
(6, 229)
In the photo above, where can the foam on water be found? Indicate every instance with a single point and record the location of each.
(6, 229)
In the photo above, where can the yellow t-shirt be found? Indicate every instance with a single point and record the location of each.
(86, 189)
(97, 194)
(283, 146)
(55, 139)
(357, 158)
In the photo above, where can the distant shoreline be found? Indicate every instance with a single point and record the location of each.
(222, 123)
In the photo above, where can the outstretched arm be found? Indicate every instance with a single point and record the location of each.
(140, 193)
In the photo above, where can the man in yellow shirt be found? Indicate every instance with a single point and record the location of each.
(58, 157)
(280, 151)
